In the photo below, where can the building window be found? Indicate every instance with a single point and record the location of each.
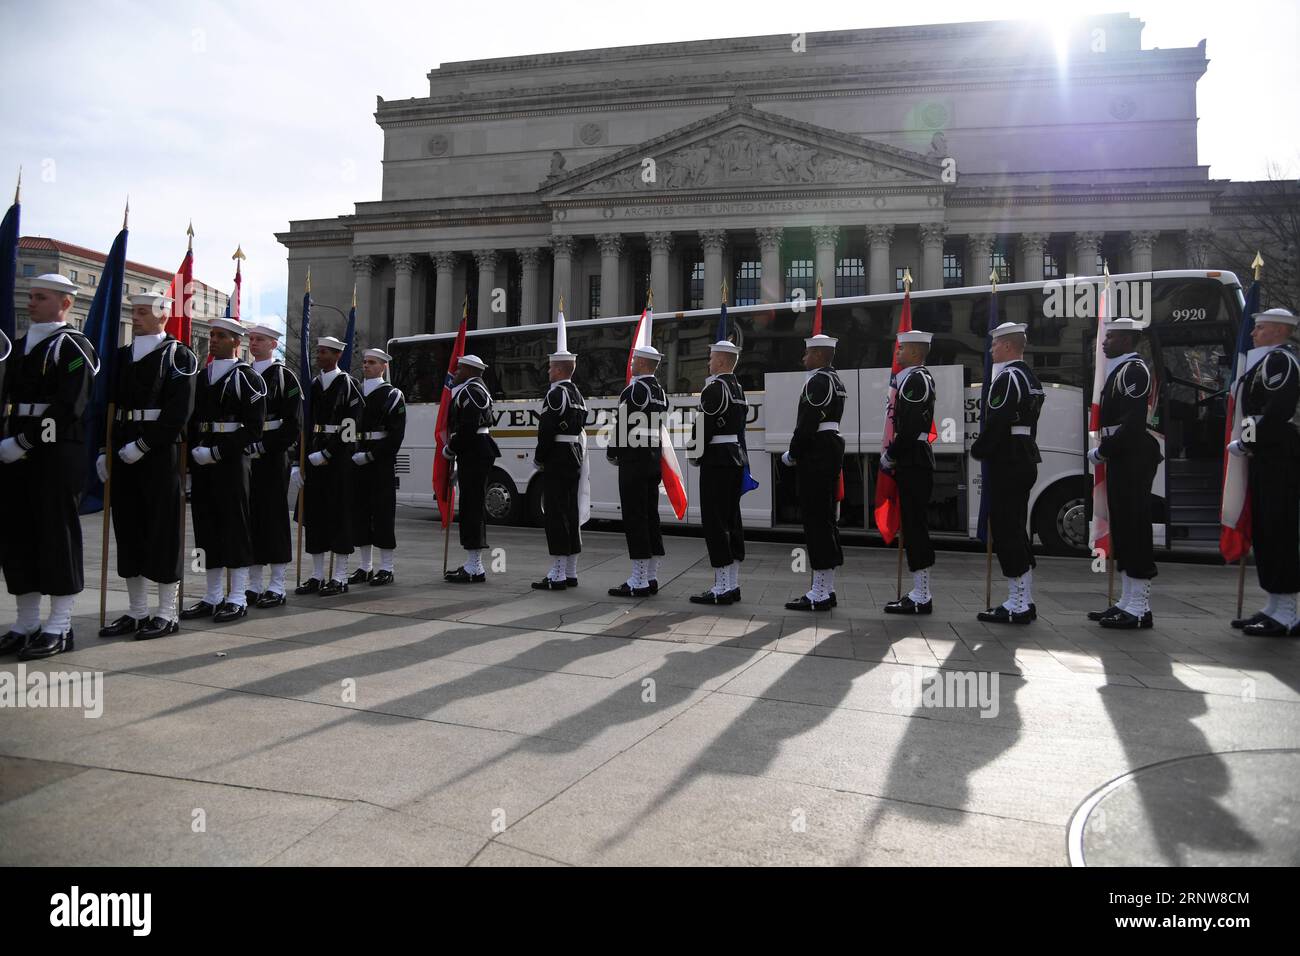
(954, 270)
(91, 279)
(799, 277)
(72, 274)
(748, 279)
(850, 276)
(144, 289)
(593, 297)
(1001, 261)
(1051, 266)
(695, 285)
(28, 270)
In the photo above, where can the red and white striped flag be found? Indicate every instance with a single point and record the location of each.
(669, 468)
(1099, 528)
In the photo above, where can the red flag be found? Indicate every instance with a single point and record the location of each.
(443, 487)
(1099, 529)
(670, 470)
(234, 302)
(181, 292)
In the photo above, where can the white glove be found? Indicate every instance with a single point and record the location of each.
(1237, 449)
(130, 453)
(254, 450)
(317, 458)
(361, 458)
(787, 460)
(101, 467)
(1094, 456)
(448, 453)
(886, 463)
(11, 451)
(295, 479)
(202, 455)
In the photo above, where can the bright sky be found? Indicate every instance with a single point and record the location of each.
(243, 115)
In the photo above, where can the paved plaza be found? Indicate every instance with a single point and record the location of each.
(428, 723)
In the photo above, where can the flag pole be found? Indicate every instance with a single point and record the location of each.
(907, 289)
(302, 450)
(1258, 265)
(988, 525)
(184, 470)
(108, 504)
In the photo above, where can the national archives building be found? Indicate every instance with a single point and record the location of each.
(771, 162)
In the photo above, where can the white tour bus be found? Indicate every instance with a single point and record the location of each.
(1194, 319)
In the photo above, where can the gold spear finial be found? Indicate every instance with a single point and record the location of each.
(724, 291)
(308, 289)
(190, 232)
(561, 301)
(126, 213)
(239, 253)
(819, 288)
(907, 279)
(354, 295)
(19, 188)
(1258, 264)
(993, 278)
(650, 299)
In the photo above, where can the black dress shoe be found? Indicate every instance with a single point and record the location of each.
(201, 609)
(1124, 621)
(381, 578)
(14, 641)
(624, 591)
(654, 585)
(570, 582)
(228, 611)
(546, 584)
(734, 594)
(835, 602)
(360, 576)
(270, 599)
(45, 644)
(152, 627)
(803, 603)
(310, 586)
(251, 597)
(332, 587)
(1098, 615)
(711, 597)
(125, 624)
(1256, 618)
(461, 576)
(1266, 628)
(905, 605)
(1000, 615)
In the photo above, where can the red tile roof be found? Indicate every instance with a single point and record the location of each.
(42, 244)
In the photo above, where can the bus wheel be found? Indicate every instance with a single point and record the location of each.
(1061, 520)
(533, 509)
(503, 503)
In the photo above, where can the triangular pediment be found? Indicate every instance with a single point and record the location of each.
(745, 148)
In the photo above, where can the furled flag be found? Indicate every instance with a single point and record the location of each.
(304, 353)
(103, 327)
(232, 301)
(181, 292)
(817, 330)
(1234, 516)
(1099, 527)
(748, 482)
(986, 493)
(669, 469)
(350, 336)
(9, 267)
(444, 489)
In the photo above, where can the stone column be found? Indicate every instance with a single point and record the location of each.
(769, 244)
(611, 251)
(661, 247)
(1032, 247)
(487, 260)
(363, 267)
(404, 267)
(445, 318)
(980, 248)
(932, 234)
(713, 241)
(1086, 246)
(530, 260)
(1196, 246)
(824, 259)
(1140, 244)
(880, 276)
(562, 259)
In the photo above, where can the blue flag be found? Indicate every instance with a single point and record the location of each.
(304, 356)
(982, 523)
(748, 483)
(104, 329)
(8, 271)
(349, 339)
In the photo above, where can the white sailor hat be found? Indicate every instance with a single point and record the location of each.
(1124, 325)
(647, 352)
(377, 354)
(1277, 315)
(820, 341)
(265, 327)
(154, 300)
(230, 325)
(916, 335)
(54, 283)
(473, 361)
(1008, 328)
(330, 342)
(730, 348)
(562, 356)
